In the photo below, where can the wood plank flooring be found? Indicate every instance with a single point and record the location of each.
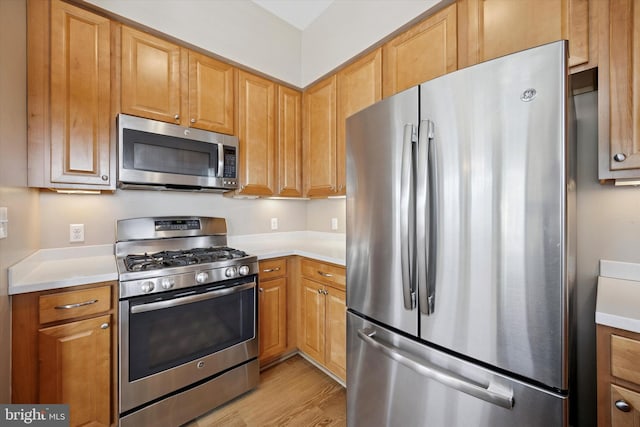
(292, 393)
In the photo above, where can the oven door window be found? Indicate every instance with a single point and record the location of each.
(185, 326)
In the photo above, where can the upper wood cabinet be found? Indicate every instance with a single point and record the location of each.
(425, 51)
(69, 98)
(289, 134)
(319, 151)
(359, 86)
(150, 72)
(211, 94)
(256, 134)
(488, 29)
(162, 81)
(619, 89)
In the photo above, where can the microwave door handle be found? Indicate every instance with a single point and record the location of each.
(220, 173)
(407, 218)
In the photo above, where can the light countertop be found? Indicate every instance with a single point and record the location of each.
(618, 300)
(63, 267)
(60, 268)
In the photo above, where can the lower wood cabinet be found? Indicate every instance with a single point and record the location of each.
(323, 310)
(618, 353)
(63, 351)
(272, 309)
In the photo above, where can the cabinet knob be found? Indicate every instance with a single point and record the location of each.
(177, 117)
(104, 326)
(320, 291)
(193, 120)
(105, 177)
(619, 157)
(260, 289)
(623, 406)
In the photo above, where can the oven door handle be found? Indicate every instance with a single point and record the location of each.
(143, 308)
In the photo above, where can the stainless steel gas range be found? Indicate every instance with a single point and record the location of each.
(188, 335)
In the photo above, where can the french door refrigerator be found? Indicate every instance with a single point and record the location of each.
(460, 249)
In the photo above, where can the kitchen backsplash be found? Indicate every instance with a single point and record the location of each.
(99, 213)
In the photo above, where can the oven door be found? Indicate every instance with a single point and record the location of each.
(172, 340)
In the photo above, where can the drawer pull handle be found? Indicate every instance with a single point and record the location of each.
(623, 406)
(324, 274)
(76, 305)
(270, 270)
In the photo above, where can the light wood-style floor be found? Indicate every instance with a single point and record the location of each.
(293, 393)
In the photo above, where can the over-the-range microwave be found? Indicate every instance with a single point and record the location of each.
(163, 156)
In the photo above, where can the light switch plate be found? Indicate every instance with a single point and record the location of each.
(274, 223)
(4, 223)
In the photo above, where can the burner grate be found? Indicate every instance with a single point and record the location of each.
(164, 259)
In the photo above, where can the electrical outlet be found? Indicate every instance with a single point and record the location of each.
(334, 223)
(274, 223)
(76, 233)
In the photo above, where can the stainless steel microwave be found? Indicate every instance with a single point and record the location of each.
(163, 156)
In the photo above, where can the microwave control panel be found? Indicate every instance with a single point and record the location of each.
(229, 163)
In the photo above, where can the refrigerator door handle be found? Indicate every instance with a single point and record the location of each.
(426, 211)
(407, 218)
(499, 397)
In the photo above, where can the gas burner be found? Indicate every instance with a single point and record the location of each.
(164, 259)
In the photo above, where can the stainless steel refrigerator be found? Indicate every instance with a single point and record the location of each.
(461, 247)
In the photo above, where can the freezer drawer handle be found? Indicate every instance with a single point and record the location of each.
(437, 374)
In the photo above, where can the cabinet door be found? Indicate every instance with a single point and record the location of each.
(336, 330)
(312, 333)
(423, 52)
(320, 139)
(621, 398)
(289, 142)
(273, 318)
(80, 96)
(211, 94)
(256, 134)
(359, 86)
(75, 368)
(619, 89)
(150, 77)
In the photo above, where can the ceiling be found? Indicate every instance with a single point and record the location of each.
(299, 13)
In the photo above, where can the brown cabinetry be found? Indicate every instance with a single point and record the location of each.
(323, 315)
(256, 134)
(63, 351)
(619, 89)
(69, 98)
(618, 353)
(272, 308)
(319, 151)
(289, 134)
(488, 29)
(163, 81)
(425, 51)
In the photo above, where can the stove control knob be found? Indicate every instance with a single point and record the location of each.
(202, 277)
(167, 283)
(147, 286)
(243, 270)
(230, 272)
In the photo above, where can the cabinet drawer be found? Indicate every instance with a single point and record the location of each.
(69, 305)
(326, 273)
(625, 354)
(271, 268)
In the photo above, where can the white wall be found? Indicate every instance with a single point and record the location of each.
(243, 32)
(21, 202)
